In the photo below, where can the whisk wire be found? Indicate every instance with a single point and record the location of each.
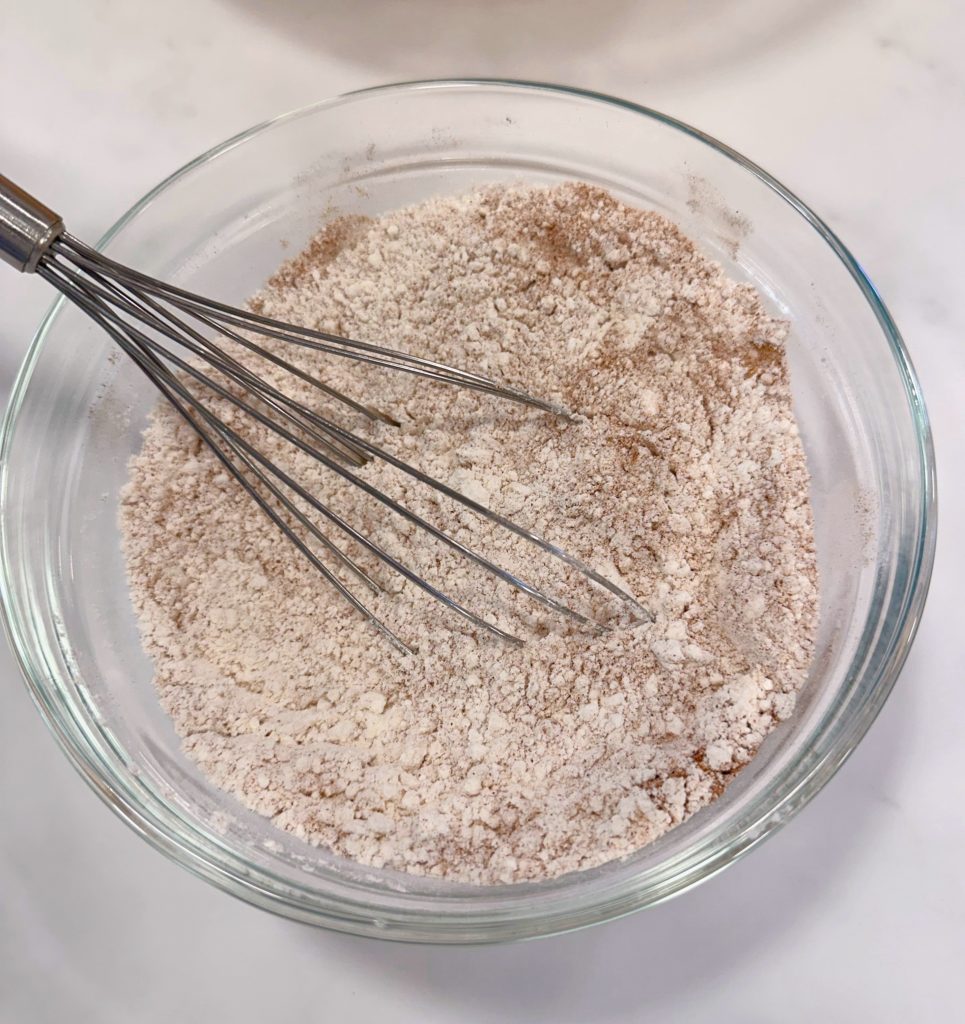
(144, 317)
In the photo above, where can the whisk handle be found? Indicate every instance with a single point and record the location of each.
(27, 227)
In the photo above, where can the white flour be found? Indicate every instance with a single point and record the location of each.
(683, 479)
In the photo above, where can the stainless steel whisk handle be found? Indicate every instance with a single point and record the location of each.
(27, 227)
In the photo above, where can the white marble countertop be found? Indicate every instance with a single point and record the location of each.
(856, 910)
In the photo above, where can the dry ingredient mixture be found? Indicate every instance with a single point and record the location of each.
(682, 478)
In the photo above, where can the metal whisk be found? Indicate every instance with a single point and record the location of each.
(171, 335)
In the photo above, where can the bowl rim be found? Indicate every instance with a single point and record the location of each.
(261, 887)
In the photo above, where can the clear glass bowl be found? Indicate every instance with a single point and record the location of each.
(221, 226)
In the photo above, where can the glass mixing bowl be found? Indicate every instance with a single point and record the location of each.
(221, 226)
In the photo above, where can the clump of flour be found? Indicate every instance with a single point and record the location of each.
(682, 478)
